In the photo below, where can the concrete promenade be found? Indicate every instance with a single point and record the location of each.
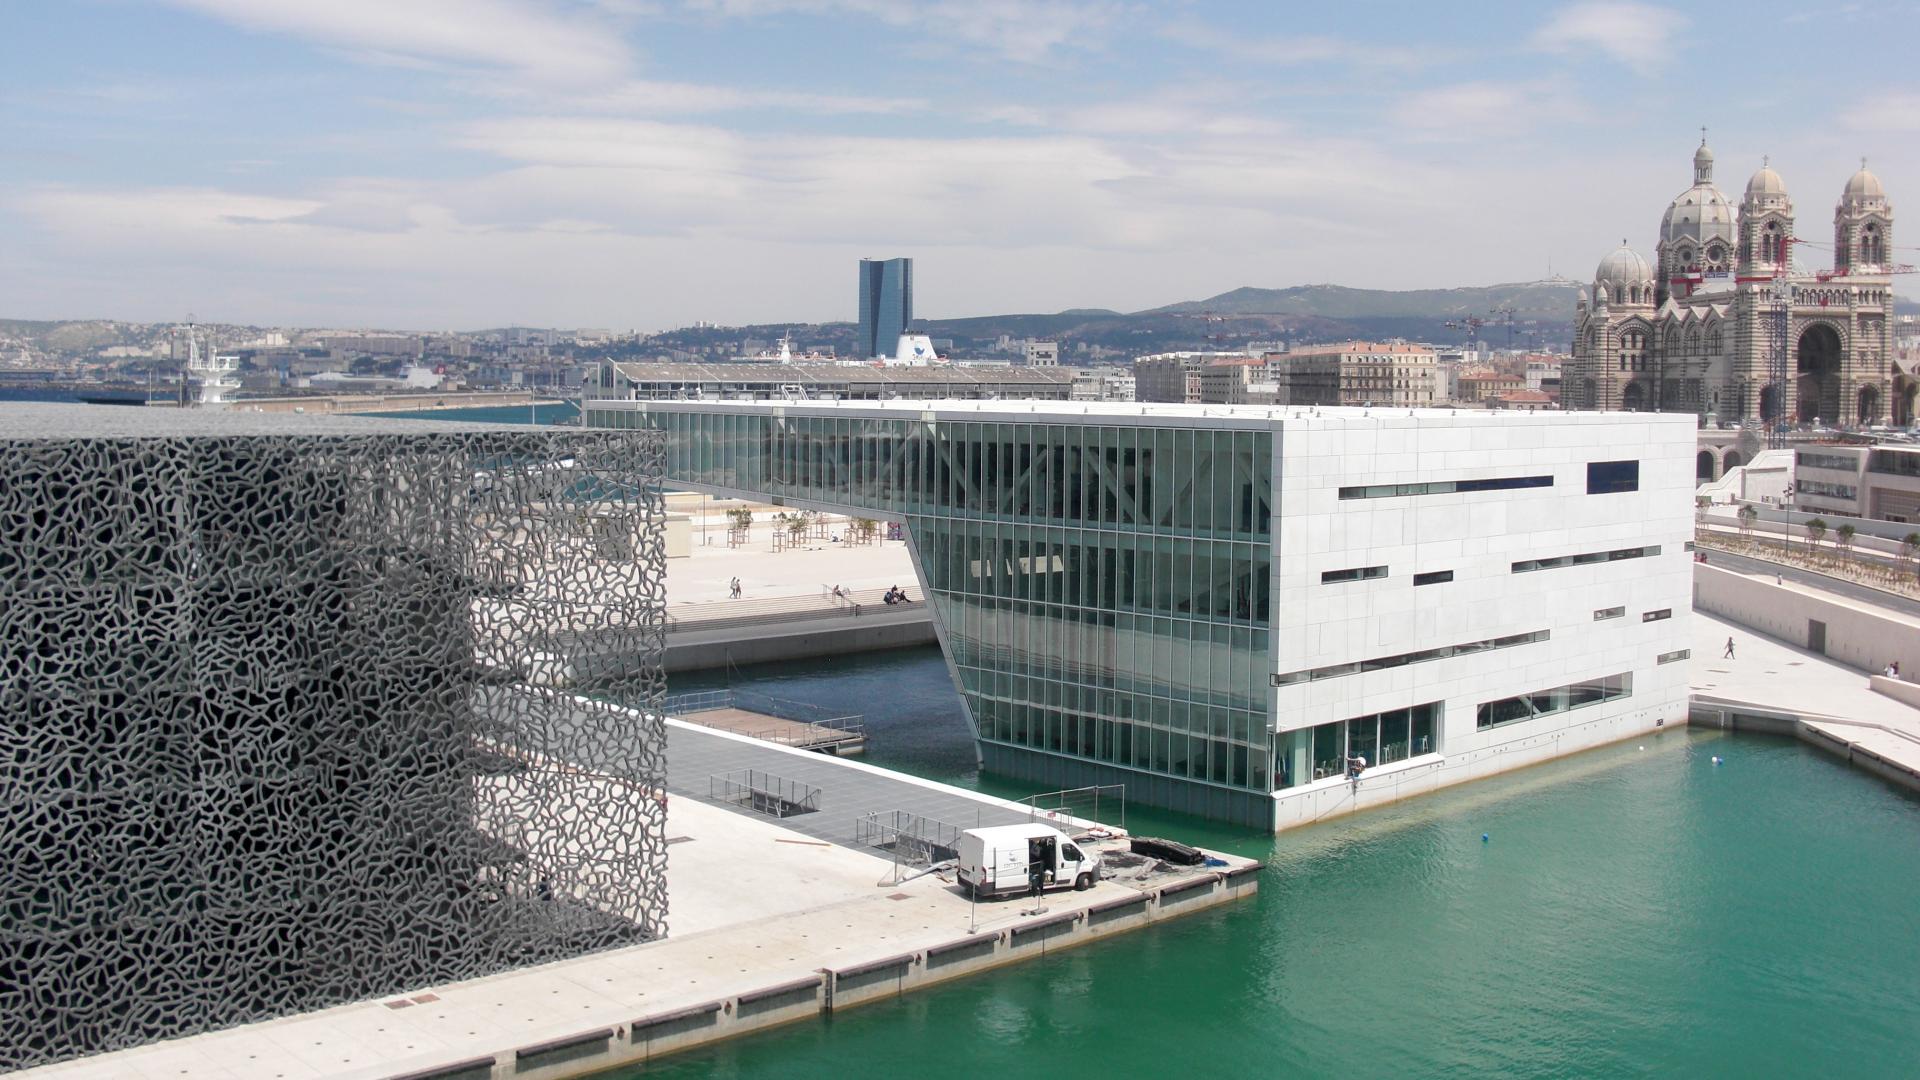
(770, 922)
(786, 610)
(1770, 685)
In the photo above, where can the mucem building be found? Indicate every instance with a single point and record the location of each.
(1224, 608)
(298, 711)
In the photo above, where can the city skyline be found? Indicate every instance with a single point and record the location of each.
(648, 165)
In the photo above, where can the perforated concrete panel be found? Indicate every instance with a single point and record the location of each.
(291, 713)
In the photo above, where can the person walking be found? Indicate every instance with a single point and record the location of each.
(733, 589)
(1728, 655)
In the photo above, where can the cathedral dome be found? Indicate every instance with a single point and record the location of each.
(1766, 182)
(1865, 185)
(1623, 267)
(1698, 212)
(1863, 194)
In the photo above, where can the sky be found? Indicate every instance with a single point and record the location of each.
(643, 164)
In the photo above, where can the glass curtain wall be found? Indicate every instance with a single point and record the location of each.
(1104, 588)
(1315, 753)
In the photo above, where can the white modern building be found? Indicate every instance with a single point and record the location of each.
(1222, 607)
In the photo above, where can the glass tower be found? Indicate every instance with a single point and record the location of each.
(1101, 588)
(886, 305)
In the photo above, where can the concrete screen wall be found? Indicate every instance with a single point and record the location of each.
(289, 713)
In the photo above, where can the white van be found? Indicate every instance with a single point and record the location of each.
(1005, 859)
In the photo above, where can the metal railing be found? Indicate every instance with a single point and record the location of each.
(1086, 803)
(764, 793)
(909, 837)
(718, 616)
(806, 725)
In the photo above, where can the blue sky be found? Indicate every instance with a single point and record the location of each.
(646, 163)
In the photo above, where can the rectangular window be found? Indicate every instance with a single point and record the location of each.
(1675, 656)
(1445, 487)
(1656, 616)
(1608, 613)
(1334, 671)
(1609, 477)
(1585, 558)
(1893, 462)
(1807, 459)
(1559, 699)
(1304, 755)
(1433, 577)
(1831, 491)
(1357, 573)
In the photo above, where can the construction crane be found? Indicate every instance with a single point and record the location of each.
(1503, 316)
(1470, 325)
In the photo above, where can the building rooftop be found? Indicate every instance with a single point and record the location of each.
(1368, 347)
(841, 373)
(1110, 411)
(39, 420)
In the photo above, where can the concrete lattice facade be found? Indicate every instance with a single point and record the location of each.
(289, 713)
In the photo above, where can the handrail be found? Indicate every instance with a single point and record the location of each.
(852, 604)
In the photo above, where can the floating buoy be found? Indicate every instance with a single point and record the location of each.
(1641, 748)
(1716, 759)
(1483, 838)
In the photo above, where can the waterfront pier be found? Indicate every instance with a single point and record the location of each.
(772, 921)
(1803, 665)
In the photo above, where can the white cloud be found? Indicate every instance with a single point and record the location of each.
(1469, 111)
(1640, 36)
(535, 38)
(652, 97)
(1024, 30)
(1884, 113)
(1297, 49)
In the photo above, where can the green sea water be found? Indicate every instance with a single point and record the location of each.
(1632, 912)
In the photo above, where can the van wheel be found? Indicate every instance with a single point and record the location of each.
(1083, 883)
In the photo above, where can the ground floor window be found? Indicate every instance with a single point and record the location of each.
(1308, 754)
(1555, 700)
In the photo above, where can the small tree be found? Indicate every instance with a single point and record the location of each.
(797, 525)
(863, 529)
(741, 517)
(1748, 515)
(1816, 532)
(1843, 537)
(1910, 547)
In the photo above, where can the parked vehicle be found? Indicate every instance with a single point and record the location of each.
(1012, 858)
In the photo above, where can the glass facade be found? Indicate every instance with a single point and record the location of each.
(1559, 699)
(1103, 588)
(886, 305)
(1315, 753)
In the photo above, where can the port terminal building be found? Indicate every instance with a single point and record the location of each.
(754, 381)
(1223, 608)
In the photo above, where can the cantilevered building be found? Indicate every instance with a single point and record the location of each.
(1219, 607)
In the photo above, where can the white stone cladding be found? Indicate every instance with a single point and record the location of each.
(1478, 536)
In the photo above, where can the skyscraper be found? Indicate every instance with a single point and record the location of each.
(886, 305)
